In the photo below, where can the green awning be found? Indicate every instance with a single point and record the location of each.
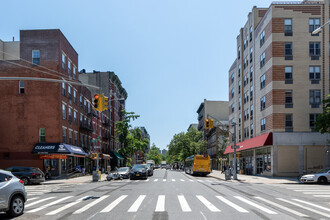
(118, 156)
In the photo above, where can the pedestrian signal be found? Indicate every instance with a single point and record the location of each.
(211, 123)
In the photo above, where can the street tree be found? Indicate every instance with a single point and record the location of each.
(154, 154)
(323, 120)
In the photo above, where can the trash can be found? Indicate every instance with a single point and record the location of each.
(227, 175)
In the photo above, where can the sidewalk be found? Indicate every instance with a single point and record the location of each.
(256, 179)
(82, 179)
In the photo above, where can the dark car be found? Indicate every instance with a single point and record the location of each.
(29, 175)
(150, 169)
(139, 171)
(124, 172)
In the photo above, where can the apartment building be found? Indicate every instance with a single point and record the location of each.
(276, 85)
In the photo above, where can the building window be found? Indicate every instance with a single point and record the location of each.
(239, 87)
(75, 117)
(245, 98)
(251, 54)
(251, 112)
(288, 27)
(251, 128)
(69, 92)
(312, 120)
(315, 74)
(239, 70)
(81, 119)
(80, 100)
(232, 93)
(288, 75)
(63, 61)
(36, 57)
(21, 87)
(251, 33)
(81, 140)
(239, 103)
(42, 135)
(69, 68)
(63, 89)
(70, 137)
(263, 124)
(239, 52)
(262, 81)
(251, 93)
(314, 23)
(232, 77)
(288, 51)
(262, 103)
(74, 96)
(262, 59)
(288, 123)
(314, 50)
(288, 99)
(76, 139)
(63, 111)
(262, 38)
(64, 135)
(251, 74)
(244, 82)
(315, 98)
(232, 108)
(239, 119)
(74, 72)
(70, 115)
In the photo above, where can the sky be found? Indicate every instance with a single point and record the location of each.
(170, 55)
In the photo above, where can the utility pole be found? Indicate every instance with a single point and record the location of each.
(235, 162)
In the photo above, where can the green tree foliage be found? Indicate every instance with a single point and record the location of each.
(323, 120)
(184, 145)
(130, 139)
(154, 154)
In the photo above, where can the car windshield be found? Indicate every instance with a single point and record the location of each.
(122, 169)
(325, 170)
(139, 166)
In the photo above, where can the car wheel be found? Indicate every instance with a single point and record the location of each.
(16, 207)
(322, 180)
(25, 180)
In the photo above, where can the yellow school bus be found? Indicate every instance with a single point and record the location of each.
(198, 164)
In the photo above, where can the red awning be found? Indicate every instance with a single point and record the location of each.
(262, 140)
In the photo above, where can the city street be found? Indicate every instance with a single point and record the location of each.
(170, 194)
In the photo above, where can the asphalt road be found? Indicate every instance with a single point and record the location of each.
(175, 195)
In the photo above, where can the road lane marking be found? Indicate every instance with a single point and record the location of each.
(155, 180)
(173, 180)
(181, 180)
(147, 180)
(316, 193)
(160, 207)
(191, 180)
(32, 199)
(311, 204)
(39, 201)
(67, 206)
(304, 207)
(312, 190)
(256, 205)
(137, 204)
(164, 180)
(49, 204)
(200, 181)
(209, 181)
(324, 196)
(81, 210)
(114, 204)
(238, 208)
(282, 207)
(184, 205)
(209, 205)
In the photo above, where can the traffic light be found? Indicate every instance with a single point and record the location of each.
(105, 103)
(211, 123)
(207, 123)
(98, 102)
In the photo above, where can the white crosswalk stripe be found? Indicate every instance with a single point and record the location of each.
(50, 204)
(191, 180)
(256, 205)
(160, 207)
(67, 206)
(181, 180)
(323, 196)
(30, 199)
(238, 208)
(155, 180)
(173, 180)
(39, 201)
(164, 180)
(311, 204)
(137, 204)
(86, 207)
(147, 180)
(209, 205)
(114, 204)
(183, 203)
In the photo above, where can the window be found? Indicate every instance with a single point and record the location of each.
(262, 81)
(245, 98)
(63, 61)
(239, 135)
(64, 135)
(81, 119)
(63, 111)
(239, 52)
(74, 96)
(69, 68)
(251, 74)
(63, 89)
(315, 98)
(70, 115)
(312, 120)
(75, 138)
(239, 87)
(251, 54)
(232, 93)
(315, 74)
(263, 124)
(81, 102)
(251, 93)
(232, 107)
(262, 38)
(69, 92)
(70, 137)
(232, 77)
(314, 23)
(251, 112)
(314, 50)
(244, 80)
(239, 70)
(21, 87)
(262, 59)
(262, 103)
(288, 27)
(36, 57)
(74, 72)
(251, 128)
(42, 135)
(288, 99)
(246, 62)
(288, 123)
(239, 119)
(288, 51)
(75, 117)
(239, 103)
(251, 33)
(288, 75)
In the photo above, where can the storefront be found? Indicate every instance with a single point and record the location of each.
(117, 161)
(60, 159)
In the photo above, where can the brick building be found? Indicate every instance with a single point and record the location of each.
(276, 85)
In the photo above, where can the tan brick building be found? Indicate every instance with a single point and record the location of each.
(276, 85)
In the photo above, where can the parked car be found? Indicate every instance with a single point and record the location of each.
(321, 176)
(150, 169)
(29, 175)
(114, 176)
(13, 195)
(139, 171)
(124, 172)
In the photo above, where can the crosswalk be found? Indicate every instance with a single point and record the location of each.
(312, 190)
(187, 203)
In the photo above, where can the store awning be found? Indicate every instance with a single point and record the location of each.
(58, 148)
(105, 156)
(259, 141)
(118, 156)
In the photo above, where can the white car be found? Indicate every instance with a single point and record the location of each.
(322, 177)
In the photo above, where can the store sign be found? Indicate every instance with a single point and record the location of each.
(53, 156)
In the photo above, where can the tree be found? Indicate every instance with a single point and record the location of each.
(154, 154)
(130, 139)
(323, 120)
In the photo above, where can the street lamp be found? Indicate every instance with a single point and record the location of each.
(317, 30)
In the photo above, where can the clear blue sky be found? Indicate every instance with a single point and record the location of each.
(169, 54)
